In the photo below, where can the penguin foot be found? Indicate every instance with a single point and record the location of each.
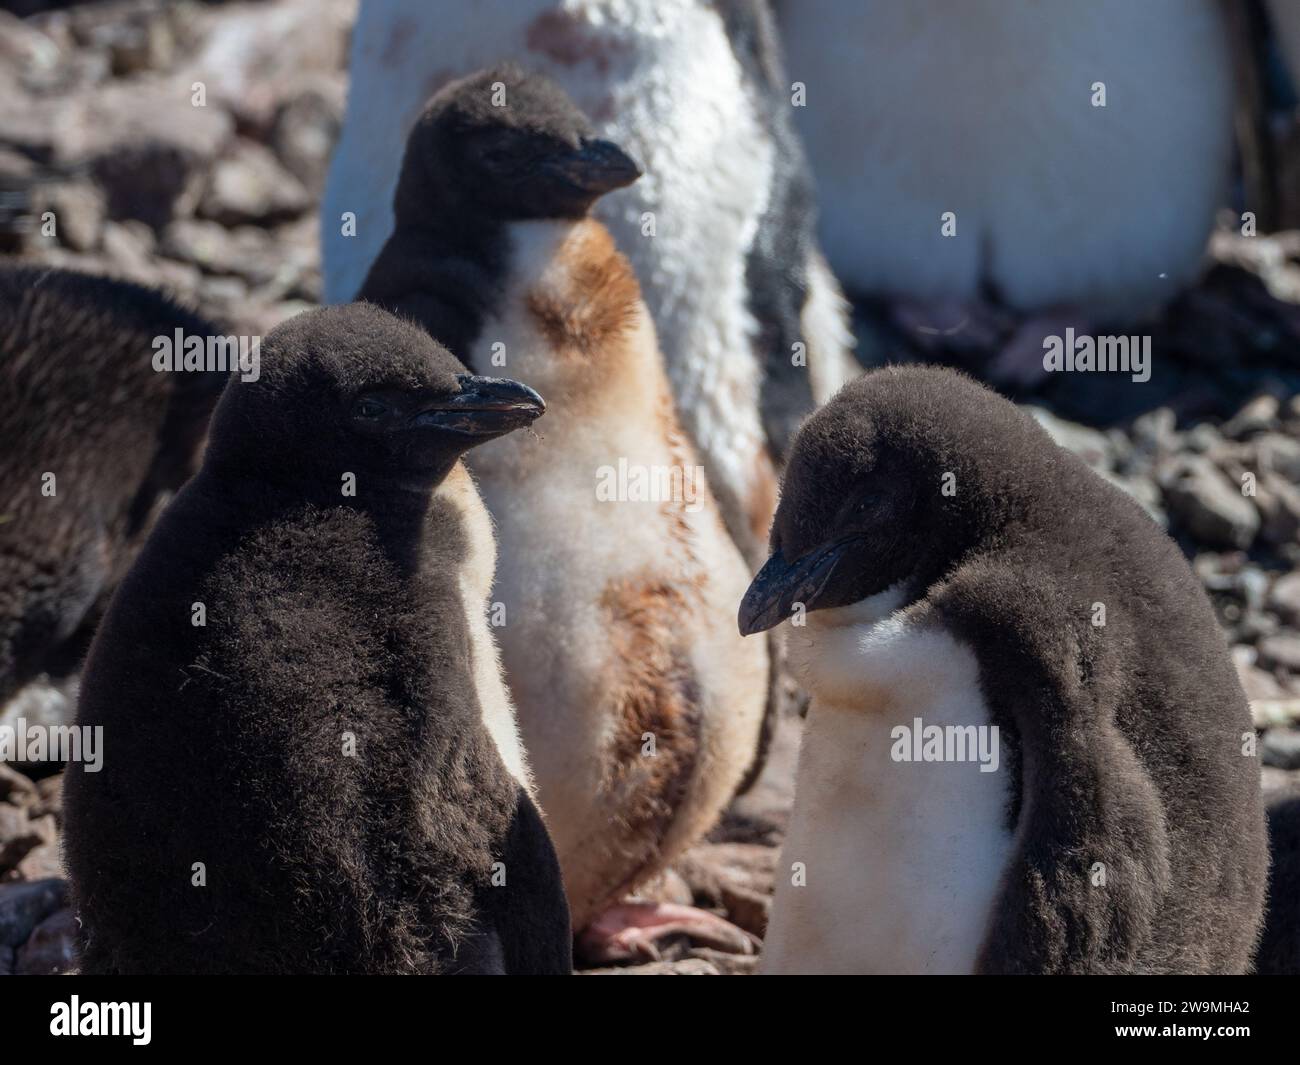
(634, 931)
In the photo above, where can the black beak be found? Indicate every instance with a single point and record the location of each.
(779, 585)
(597, 167)
(484, 407)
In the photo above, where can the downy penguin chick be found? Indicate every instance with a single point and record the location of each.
(639, 705)
(93, 442)
(311, 763)
(1027, 749)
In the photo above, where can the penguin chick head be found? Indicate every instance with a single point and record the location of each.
(888, 487)
(354, 389)
(510, 145)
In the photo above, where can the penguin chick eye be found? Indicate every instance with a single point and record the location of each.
(369, 408)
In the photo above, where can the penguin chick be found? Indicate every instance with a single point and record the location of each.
(955, 572)
(92, 442)
(639, 706)
(1081, 149)
(721, 232)
(310, 761)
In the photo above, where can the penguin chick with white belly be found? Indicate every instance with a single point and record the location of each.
(951, 572)
(639, 705)
(312, 766)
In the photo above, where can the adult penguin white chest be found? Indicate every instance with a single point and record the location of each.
(1027, 750)
(1061, 154)
(719, 231)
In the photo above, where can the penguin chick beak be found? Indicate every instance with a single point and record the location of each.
(484, 407)
(596, 168)
(779, 585)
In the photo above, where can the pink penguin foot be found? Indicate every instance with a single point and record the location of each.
(633, 931)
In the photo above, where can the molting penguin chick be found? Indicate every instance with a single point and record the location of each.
(639, 705)
(92, 442)
(731, 270)
(956, 572)
(311, 763)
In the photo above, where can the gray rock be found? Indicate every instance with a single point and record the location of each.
(1257, 416)
(40, 863)
(49, 803)
(79, 211)
(23, 906)
(222, 295)
(1280, 748)
(244, 251)
(1280, 454)
(1284, 597)
(52, 947)
(1255, 625)
(129, 249)
(1208, 505)
(1271, 713)
(1282, 651)
(728, 964)
(7, 959)
(19, 834)
(305, 130)
(1203, 439)
(251, 186)
(146, 144)
(135, 39)
(16, 788)
(683, 967)
(1154, 433)
(1255, 682)
(1278, 502)
(255, 55)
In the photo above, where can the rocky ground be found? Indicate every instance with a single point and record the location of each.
(218, 203)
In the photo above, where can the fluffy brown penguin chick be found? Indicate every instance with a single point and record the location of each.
(92, 442)
(1027, 749)
(310, 758)
(639, 705)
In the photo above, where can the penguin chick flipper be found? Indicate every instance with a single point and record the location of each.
(530, 909)
(1091, 871)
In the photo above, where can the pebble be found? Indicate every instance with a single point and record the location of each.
(1282, 650)
(51, 948)
(1284, 597)
(1280, 748)
(1208, 505)
(24, 905)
